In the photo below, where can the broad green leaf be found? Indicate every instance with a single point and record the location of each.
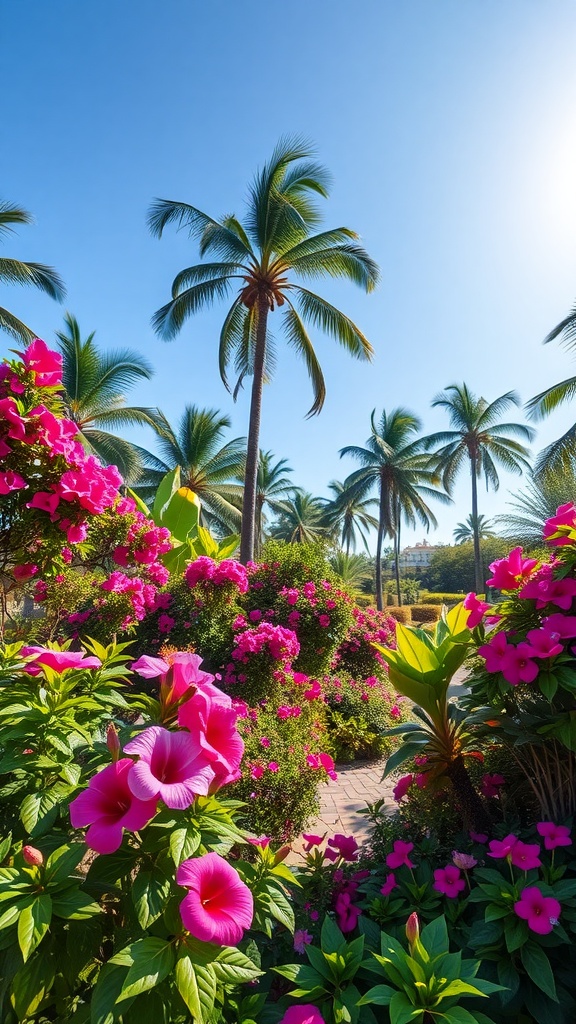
(458, 988)
(152, 961)
(75, 906)
(150, 892)
(379, 994)
(204, 543)
(61, 862)
(459, 1015)
(31, 984)
(177, 559)
(183, 843)
(196, 984)
(434, 937)
(105, 994)
(331, 937)
(182, 513)
(403, 1012)
(140, 505)
(166, 488)
(456, 619)
(5, 847)
(406, 751)
(233, 967)
(227, 546)
(33, 924)
(414, 652)
(538, 969)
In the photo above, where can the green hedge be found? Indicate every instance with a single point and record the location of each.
(425, 612)
(403, 614)
(429, 598)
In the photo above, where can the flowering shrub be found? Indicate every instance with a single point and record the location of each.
(61, 510)
(359, 713)
(356, 654)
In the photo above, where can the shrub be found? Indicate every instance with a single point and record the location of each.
(425, 613)
(356, 654)
(449, 599)
(359, 711)
(403, 615)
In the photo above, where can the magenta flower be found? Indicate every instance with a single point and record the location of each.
(389, 884)
(541, 912)
(544, 589)
(211, 722)
(24, 572)
(509, 573)
(346, 912)
(10, 481)
(401, 788)
(494, 652)
(273, 766)
(563, 625)
(311, 841)
(499, 848)
(346, 846)
(476, 607)
(219, 905)
(399, 855)
(324, 620)
(517, 666)
(478, 837)
(179, 673)
(302, 938)
(544, 643)
(58, 661)
(525, 855)
(44, 363)
(108, 806)
(490, 785)
(554, 835)
(202, 568)
(449, 881)
(557, 528)
(256, 772)
(464, 861)
(305, 1013)
(171, 766)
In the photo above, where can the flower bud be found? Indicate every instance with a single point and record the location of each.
(281, 854)
(32, 856)
(112, 741)
(412, 929)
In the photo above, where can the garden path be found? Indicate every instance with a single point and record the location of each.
(357, 785)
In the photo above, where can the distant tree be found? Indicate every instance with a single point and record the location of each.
(94, 388)
(465, 531)
(354, 570)
(260, 258)
(210, 466)
(479, 442)
(452, 569)
(349, 514)
(273, 486)
(300, 520)
(17, 272)
(393, 465)
(535, 504)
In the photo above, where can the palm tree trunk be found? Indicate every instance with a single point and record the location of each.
(478, 583)
(259, 515)
(253, 449)
(379, 603)
(397, 556)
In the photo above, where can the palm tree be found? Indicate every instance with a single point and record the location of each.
(533, 506)
(354, 570)
(559, 456)
(393, 462)
(465, 531)
(300, 520)
(258, 258)
(94, 386)
(272, 486)
(16, 272)
(477, 438)
(349, 514)
(209, 466)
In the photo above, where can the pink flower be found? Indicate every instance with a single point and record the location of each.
(554, 835)
(44, 363)
(302, 938)
(478, 837)
(499, 848)
(449, 881)
(21, 573)
(256, 772)
(108, 806)
(544, 643)
(541, 912)
(264, 741)
(324, 620)
(557, 528)
(346, 912)
(509, 573)
(309, 589)
(211, 722)
(544, 589)
(219, 905)
(200, 569)
(171, 766)
(32, 856)
(563, 625)
(401, 788)
(476, 607)
(490, 785)
(76, 533)
(304, 1013)
(263, 841)
(525, 855)
(166, 623)
(44, 500)
(314, 691)
(291, 596)
(179, 673)
(518, 666)
(389, 884)
(10, 481)
(311, 841)
(58, 661)
(395, 711)
(464, 861)
(231, 571)
(255, 615)
(273, 767)
(399, 855)
(293, 617)
(346, 846)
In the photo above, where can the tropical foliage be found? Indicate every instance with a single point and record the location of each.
(560, 455)
(465, 531)
(18, 272)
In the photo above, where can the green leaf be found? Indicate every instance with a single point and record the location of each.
(33, 924)
(403, 1012)
(166, 488)
(140, 505)
(75, 906)
(459, 1015)
(152, 961)
(62, 862)
(105, 994)
(434, 937)
(177, 559)
(5, 847)
(405, 752)
(538, 969)
(379, 994)
(233, 967)
(183, 843)
(197, 986)
(150, 893)
(182, 513)
(331, 937)
(508, 977)
(31, 985)
(458, 987)
(515, 933)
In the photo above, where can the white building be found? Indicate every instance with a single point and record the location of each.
(418, 556)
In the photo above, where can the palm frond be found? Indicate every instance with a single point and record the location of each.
(300, 341)
(547, 401)
(17, 328)
(10, 214)
(335, 323)
(36, 274)
(168, 320)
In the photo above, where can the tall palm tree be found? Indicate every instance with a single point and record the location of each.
(533, 506)
(465, 531)
(16, 272)
(209, 465)
(273, 485)
(560, 456)
(300, 520)
(479, 441)
(94, 387)
(393, 463)
(258, 259)
(349, 514)
(354, 570)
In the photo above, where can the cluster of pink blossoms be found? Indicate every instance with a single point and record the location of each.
(203, 570)
(172, 766)
(280, 643)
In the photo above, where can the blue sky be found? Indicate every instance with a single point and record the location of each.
(450, 131)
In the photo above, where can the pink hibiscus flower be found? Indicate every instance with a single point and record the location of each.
(219, 905)
(108, 806)
(554, 835)
(509, 573)
(449, 881)
(170, 766)
(58, 661)
(541, 912)
(305, 1013)
(399, 855)
(476, 608)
